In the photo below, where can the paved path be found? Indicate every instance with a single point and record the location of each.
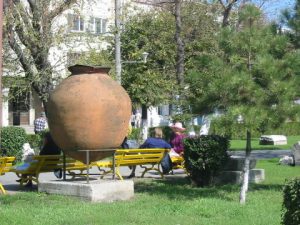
(263, 154)
(11, 186)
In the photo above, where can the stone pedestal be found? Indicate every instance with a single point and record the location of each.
(232, 172)
(95, 191)
(296, 153)
(236, 177)
(236, 163)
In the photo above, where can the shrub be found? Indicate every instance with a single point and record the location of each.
(288, 129)
(135, 134)
(225, 127)
(222, 126)
(35, 140)
(204, 157)
(12, 140)
(291, 203)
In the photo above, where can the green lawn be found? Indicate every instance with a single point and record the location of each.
(166, 202)
(241, 144)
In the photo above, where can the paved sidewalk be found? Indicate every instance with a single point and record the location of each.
(263, 154)
(11, 186)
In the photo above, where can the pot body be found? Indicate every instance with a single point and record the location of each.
(88, 111)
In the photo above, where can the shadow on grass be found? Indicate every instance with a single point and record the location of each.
(181, 188)
(268, 187)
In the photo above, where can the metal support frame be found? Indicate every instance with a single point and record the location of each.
(88, 162)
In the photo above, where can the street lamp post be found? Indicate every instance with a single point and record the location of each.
(118, 60)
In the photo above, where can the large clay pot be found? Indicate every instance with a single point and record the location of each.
(88, 111)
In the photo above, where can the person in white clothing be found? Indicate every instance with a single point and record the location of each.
(138, 119)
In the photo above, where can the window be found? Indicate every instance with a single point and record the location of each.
(97, 25)
(76, 23)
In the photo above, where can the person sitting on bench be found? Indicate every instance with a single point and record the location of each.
(153, 142)
(50, 148)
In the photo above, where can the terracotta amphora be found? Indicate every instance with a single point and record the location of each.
(88, 111)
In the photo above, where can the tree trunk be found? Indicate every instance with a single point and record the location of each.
(144, 126)
(180, 45)
(227, 8)
(246, 171)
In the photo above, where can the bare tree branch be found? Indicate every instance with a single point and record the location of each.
(62, 7)
(227, 10)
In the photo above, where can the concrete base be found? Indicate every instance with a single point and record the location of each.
(95, 191)
(296, 153)
(236, 163)
(236, 177)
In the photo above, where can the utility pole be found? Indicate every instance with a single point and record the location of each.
(118, 41)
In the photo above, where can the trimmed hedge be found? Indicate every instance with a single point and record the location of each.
(227, 128)
(12, 140)
(35, 140)
(204, 157)
(291, 203)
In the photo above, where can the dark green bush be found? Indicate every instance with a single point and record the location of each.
(288, 129)
(291, 203)
(135, 134)
(35, 140)
(204, 157)
(12, 140)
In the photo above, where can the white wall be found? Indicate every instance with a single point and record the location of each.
(5, 121)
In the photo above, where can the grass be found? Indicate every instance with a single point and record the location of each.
(169, 201)
(237, 145)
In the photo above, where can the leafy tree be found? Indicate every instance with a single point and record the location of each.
(255, 78)
(153, 32)
(30, 34)
(151, 83)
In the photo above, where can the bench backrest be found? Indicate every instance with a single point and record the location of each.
(6, 164)
(48, 163)
(139, 156)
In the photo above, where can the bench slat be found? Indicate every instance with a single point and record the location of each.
(6, 164)
(48, 163)
(131, 157)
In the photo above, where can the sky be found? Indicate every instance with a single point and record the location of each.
(273, 8)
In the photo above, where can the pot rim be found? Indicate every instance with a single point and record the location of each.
(79, 69)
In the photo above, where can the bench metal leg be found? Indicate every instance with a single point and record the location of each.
(114, 166)
(2, 189)
(87, 166)
(64, 166)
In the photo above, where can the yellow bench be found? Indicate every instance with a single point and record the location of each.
(177, 162)
(47, 163)
(134, 157)
(5, 166)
